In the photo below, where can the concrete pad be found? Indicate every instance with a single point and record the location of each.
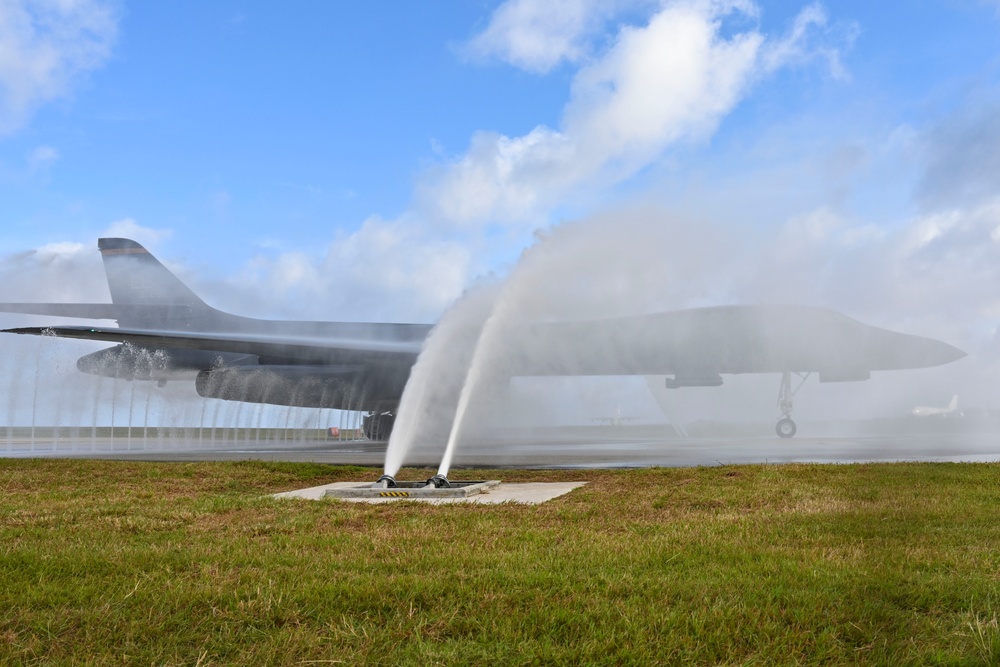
(458, 489)
(526, 493)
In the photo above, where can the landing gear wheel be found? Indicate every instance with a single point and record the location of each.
(785, 428)
(378, 426)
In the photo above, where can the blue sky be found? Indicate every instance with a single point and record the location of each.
(366, 160)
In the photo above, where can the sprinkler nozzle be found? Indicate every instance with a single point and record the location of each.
(439, 481)
(385, 482)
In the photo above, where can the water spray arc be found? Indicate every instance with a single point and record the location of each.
(430, 400)
(531, 294)
(470, 386)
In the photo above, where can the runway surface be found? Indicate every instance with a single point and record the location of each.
(563, 448)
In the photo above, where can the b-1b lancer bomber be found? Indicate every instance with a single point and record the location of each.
(167, 333)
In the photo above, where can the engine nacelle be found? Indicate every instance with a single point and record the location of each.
(845, 375)
(342, 388)
(126, 362)
(678, 381)
(134, 362)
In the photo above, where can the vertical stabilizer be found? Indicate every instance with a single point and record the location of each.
(146, 293)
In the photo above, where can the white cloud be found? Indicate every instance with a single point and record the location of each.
(928, 229)
(42, 158)
(538, 35)
(961, 156)
(69, 271)
(673, 78)
(396, 270)
(935, 274)
(55, 272)
(388, 270)
(57, 252)
(670, 80)
(128, 228)
(796, 47)
(46, 46)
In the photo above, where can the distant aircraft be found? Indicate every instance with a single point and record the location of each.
(616, 420)
(166, 332)
(924, 411)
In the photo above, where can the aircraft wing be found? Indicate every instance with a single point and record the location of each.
(282, 349)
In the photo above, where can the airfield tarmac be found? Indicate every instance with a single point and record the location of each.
(560, 448)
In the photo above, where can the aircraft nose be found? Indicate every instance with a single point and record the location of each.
(951, 353)
(919, 352)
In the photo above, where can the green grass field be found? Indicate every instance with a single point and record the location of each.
(193, 564)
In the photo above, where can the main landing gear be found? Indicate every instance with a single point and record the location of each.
(785, 427)
(378, 426)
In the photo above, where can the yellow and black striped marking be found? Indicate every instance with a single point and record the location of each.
(394, 494)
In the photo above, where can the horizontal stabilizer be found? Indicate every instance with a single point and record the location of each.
(167, 317)
(94, 311)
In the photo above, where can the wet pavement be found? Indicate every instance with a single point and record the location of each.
(562, 448)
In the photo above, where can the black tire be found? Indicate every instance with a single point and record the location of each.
(785, 428)
(378, 427)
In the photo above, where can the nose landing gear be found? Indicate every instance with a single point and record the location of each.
(785, 428)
